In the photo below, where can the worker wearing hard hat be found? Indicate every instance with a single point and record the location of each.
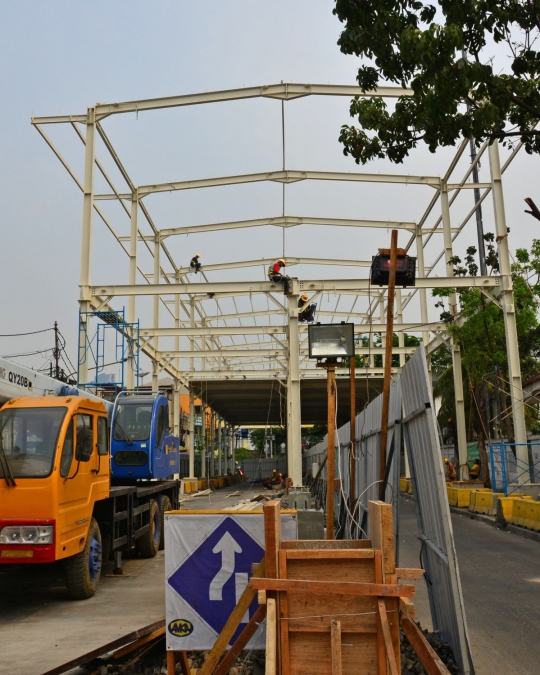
(307, 310)
(275, 274)
(194, 264)
(450, 470)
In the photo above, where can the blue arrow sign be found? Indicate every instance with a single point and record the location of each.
(214, 576)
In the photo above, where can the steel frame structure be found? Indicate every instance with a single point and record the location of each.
(277, 351)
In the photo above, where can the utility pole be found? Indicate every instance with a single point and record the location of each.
(56, 352)
(388, 361)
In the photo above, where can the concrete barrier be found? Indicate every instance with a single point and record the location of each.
(459, 497)
(525, 513)
(484, 502)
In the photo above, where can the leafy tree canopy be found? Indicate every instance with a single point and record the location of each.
(472, 65)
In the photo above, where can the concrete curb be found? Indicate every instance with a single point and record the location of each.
(514, 529)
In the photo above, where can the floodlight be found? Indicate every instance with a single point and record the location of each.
(331, 340)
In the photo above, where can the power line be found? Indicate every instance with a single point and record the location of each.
(40, 351)
(35, 332)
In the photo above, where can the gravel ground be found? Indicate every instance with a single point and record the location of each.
(154, 661)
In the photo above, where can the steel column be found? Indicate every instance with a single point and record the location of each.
(294, 413)
(203, 438)
(86, 245)
(456, 351)
(401, 334)
(508, 306)
(176, 407)
(132, 300)
(423, 292)
(220, 448)
(155, 365)
(191, 448)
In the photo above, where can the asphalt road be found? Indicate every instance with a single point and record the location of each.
(41, 628)
(500, 577)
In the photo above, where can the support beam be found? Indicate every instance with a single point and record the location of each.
(508, 307)
(132, 307)
(294, 436)
(456, 352)
(191, 448)
(155, 365)
(86, 244)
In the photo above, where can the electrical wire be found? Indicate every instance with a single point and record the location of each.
(35, 332)
(39, 351)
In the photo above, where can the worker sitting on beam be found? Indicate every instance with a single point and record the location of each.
(307, 309)
(275, 275)
(194, 264)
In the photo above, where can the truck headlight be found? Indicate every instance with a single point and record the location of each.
(27, 534)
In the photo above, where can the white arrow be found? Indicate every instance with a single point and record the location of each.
(228, 548)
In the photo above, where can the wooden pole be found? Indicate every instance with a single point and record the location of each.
(331, 454)
(352, 479)
(388, 360)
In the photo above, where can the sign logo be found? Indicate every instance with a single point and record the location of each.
(215, 575)
(181, 627)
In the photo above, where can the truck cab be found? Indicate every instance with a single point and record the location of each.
(142, 446)
(54, 467)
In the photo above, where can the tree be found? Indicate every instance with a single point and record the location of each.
(451, 57)
(481, 336)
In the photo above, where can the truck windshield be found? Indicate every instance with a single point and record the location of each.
(29, 437)
(132, 421)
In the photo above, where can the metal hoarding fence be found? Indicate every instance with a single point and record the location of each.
(438, 553)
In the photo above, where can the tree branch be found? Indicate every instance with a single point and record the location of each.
(535, 212)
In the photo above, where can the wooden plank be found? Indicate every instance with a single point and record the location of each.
(123, 651)
(324, 544)
(427, 655)
(406, 607)
(184, 662)
(381, 652)
(382, 533)
(336, 554)
(106, 649)
(271, 637)
(272, 536)
(170, 662)
(311, 654)
(232, 624)
(241, 641)
(337, 587)
(387, 637)
(335, 644)
(284, 646)
(409, 573)
(261, 597)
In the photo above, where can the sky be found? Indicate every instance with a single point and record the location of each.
(60, 57)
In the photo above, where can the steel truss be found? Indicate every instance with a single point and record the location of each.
(276, 350)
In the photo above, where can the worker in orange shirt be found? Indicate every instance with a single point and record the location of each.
(450, 470)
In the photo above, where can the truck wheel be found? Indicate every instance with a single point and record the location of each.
(84, 569)
(148, 544)
(164, 505)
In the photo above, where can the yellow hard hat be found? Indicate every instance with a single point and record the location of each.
(303, 297)
(281, 261)
(197, 255)
(446, 460)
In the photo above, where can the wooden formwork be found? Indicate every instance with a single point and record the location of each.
(330, 606)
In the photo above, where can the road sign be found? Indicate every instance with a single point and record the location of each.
(208, 562)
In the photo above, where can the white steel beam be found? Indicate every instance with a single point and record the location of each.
(328, 286)
(287, 221)
(284, 91)
(290, 262)
(294, 411)
(288, 176)
(509, 309)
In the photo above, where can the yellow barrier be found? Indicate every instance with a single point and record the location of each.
(525, 513)
(459, 497)
(484, 502)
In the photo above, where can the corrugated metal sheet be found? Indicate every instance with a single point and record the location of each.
(433, 513)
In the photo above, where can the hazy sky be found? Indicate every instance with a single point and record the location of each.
(60, 57)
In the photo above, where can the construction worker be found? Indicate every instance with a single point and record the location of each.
(474, 473)
(450, 471)
(307, 311)
(194, 264)
(275, 275)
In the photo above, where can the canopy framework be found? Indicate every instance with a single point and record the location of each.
(240, 348)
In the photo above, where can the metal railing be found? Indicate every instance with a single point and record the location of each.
(508, 472)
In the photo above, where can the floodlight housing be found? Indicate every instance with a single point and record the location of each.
(331, 340)
(405, 270)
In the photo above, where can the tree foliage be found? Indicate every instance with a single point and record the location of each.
(481, 336)
(472, 65)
